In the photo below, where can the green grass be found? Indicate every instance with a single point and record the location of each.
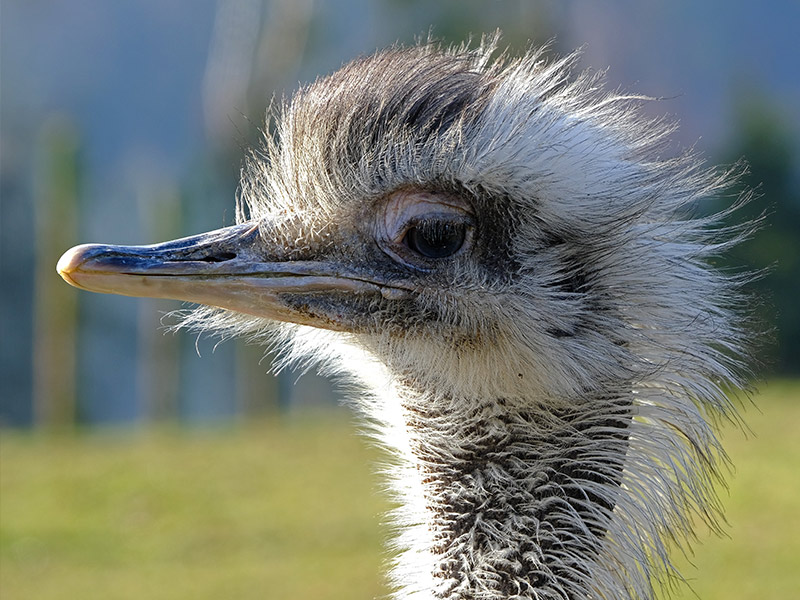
(291, 510)
(262, 511)
(759, 558)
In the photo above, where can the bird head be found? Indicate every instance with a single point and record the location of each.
(479, 223)
(494, 228)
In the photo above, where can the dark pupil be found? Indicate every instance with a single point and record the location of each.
(436, 239)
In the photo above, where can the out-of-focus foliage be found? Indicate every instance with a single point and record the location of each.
(765, 140)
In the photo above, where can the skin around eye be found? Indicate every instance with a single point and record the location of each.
(417, 228)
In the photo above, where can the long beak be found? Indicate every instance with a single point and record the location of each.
(223, 268)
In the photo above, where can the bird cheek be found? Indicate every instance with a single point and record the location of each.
(332, 311)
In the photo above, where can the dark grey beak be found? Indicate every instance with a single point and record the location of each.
(226, 268)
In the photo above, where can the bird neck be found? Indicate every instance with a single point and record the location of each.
(509, 497)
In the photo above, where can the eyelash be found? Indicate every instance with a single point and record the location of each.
(434, 238)
(435, 228)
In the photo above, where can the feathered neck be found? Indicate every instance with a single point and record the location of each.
(533, 498)
(517, 500)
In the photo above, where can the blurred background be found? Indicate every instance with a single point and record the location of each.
(125, 122)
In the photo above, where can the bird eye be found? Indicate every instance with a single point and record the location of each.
(435, 239)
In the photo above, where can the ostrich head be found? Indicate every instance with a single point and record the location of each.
(498, 250)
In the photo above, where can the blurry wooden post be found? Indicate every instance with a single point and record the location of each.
(159, 352)
(57, 183)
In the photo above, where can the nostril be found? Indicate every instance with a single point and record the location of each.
(220, 257)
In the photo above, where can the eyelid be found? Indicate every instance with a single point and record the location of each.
(429, 219)
(405, 206)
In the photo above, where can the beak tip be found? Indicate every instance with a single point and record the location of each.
(70, 262)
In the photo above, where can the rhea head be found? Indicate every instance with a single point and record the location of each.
(506, 246)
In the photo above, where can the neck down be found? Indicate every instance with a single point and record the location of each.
(513, 499)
